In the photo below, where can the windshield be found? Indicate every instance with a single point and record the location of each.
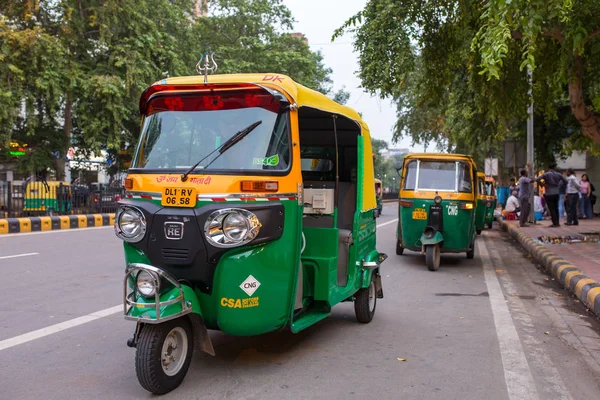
(180, 131)
(489, 188)
(445, 176)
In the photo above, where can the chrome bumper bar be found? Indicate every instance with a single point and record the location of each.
(131, 294)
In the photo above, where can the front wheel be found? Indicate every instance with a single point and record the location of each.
(365, 302)
(163, 355)
(432, 257)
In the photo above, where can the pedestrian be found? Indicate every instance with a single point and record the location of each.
(513, 186)
(573, 192)
(538, 205)
(552, 179)
(512, 206)
(586, 194)
(562, 192)
(524, 193)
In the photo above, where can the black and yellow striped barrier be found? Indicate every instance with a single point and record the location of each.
(38, 224)
(586, 289)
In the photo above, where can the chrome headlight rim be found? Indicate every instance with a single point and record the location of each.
(142, 226)
(218, 237)
(152, 278)
(437, 199)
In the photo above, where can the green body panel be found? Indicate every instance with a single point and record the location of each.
(480, 213)
(49, 203)
(489, 212)
(458, 230)
(435, 239)
(273, 264)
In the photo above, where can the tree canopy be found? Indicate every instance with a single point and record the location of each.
(72, 71)
(458, 69)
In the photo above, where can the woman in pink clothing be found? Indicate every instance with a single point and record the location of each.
(586, 193)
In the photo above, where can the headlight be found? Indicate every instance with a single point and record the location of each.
(231, 227)
(130, 224)
(147, 284)
(437, 199)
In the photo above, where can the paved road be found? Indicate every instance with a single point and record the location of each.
(492, 327)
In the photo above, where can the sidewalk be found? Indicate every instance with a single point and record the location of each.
(570, 253)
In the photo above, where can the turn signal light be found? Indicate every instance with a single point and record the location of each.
(128, 183)
(260, 186)
(405, 203)
(466, 206)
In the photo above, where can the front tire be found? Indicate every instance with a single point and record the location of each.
(163, 355)
(365, 302)
(432, 257)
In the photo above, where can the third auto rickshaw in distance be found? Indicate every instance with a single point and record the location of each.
(481, 206)
(436, 210)
(492, 201)
(250, 207)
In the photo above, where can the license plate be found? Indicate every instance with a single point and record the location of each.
(419, 213)
(178, 197)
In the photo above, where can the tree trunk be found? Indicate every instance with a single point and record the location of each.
(61, 161)
(590, 122)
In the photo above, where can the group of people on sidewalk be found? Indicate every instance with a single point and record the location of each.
(561, 193)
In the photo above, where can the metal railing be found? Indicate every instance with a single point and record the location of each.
(42, 198)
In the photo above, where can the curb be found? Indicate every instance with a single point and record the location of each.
(587, 290)
(38, 224)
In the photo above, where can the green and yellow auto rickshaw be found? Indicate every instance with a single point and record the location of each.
(481, 206)
(249, 207)
(436, 211)
(492, 201)
(379, 196)
(47, 197)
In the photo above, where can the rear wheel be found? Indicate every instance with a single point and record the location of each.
(365, 302)
(479, 231)
(471, 253)
(432, 257)
(490, 225)
(163, 355)
(399, 248)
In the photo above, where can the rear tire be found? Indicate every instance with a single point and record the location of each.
(479, 231)
(365, 302)
(471, 253)
(432, 257)
(163, 355)
(490, 225)
(399, 248)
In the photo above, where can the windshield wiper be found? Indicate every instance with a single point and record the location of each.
(223, 148)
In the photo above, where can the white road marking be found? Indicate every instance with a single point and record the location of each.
(55, 231)
(553, 385)
(49, 330)
(387, 223)
(19, 255)
(517, 374)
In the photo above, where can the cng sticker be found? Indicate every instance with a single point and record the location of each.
(452, 209)
(239, 303)
(250, 285)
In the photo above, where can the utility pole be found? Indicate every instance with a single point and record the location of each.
(530, 158)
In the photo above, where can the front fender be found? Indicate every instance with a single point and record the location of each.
(435, 239)
(170, 311)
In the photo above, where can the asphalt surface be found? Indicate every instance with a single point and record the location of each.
(493, 327)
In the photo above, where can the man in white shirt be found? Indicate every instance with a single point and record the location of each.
(512, 204)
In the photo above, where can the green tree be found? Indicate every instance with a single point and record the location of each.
(72, 71)
(457, 69)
